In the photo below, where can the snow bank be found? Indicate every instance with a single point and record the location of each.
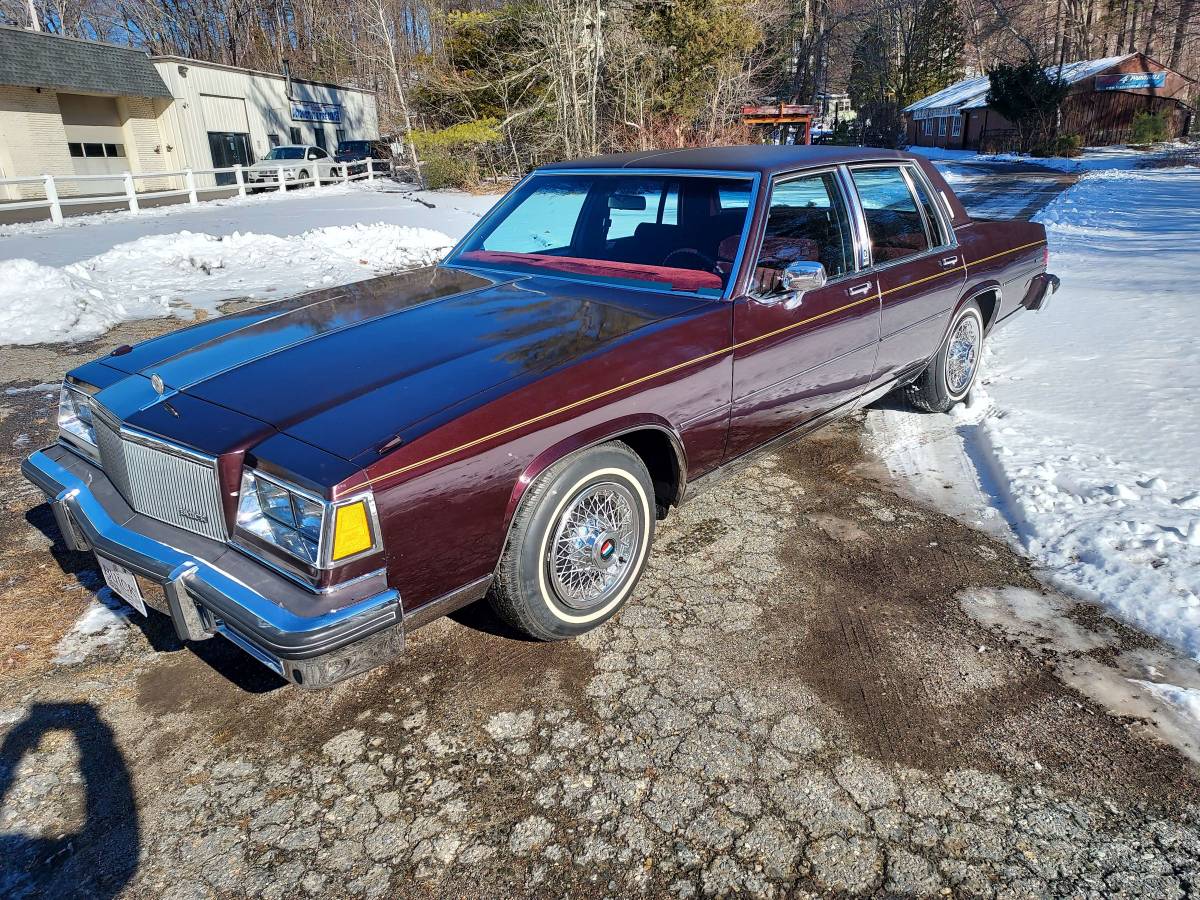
(1087, 442)
(160, 274)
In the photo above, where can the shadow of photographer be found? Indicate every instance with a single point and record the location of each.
(101, 857)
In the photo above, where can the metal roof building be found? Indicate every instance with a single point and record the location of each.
(1104, 97)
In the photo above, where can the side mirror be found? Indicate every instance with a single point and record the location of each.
(794, 280)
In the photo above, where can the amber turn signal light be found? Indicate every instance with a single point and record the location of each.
(351, 530)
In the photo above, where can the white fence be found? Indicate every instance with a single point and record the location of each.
(284, 177)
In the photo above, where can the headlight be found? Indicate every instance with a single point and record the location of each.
(75, 419)
(315, 531)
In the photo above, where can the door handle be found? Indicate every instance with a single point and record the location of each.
(948, 261)
(860, 290)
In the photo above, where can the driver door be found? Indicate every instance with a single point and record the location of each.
(793, 362)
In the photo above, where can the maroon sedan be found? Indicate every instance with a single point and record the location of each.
(314, 477)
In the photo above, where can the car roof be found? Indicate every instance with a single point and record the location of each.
(296, 147)
(767, 159)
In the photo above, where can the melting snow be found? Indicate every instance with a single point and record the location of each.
(102, 629)
(1087, 439)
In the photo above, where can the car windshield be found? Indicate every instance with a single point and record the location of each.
(286, 153)
(678, 232)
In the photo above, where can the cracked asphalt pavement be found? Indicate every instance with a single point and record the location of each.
(794, 703)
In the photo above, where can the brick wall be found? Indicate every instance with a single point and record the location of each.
(32, 139)
(142, 135)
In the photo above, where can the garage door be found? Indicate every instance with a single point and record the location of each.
(224, 114)
(96, 142)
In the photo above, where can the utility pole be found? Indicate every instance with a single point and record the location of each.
(35, 21)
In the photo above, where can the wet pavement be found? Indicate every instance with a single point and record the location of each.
(1005, 190)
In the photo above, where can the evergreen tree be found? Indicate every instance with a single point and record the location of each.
(1029, 96)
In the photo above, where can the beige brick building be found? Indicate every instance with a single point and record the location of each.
(81, 108)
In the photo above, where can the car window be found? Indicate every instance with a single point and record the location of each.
(937, 234)
(651, 200)
(545, 220)
(734, 196)
(808, 220)
(896, 226)
(667, 230)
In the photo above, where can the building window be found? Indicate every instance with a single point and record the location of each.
(956, 126)
(273, 140)
(942, 126)
(927, 127)
(341, 134)
(99, 151)
(295, 134)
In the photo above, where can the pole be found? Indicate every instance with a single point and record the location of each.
(35, 21)
(131, 193)
(189, 181)
(52, 199)
(239, 179)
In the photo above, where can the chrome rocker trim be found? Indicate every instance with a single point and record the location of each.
(204, 599)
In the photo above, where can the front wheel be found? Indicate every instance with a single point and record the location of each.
(578, 544)
(951, 374)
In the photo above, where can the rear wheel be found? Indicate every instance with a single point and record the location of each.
(951, 374)
(578, 544)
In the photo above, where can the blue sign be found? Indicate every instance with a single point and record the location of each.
(1131, 81)
(312, 111)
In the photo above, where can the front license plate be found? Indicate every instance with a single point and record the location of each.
(124, 584)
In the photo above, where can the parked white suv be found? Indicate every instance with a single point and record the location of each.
(300, 163)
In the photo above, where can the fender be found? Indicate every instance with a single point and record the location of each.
(591, 437)
(972, 292)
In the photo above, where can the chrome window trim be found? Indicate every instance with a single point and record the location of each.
(851, 210)
(755, 179)
(873, 267)
(915, 176)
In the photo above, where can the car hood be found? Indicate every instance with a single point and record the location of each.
(276, 163)
(346, 369)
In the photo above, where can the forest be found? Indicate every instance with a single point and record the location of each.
(487, 88)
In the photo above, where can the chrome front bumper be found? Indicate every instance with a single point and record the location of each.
(209, 588)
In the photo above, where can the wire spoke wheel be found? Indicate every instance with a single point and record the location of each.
(594, 546)
(963, 356)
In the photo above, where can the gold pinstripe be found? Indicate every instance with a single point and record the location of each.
(541, 417)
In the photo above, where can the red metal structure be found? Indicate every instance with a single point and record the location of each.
(782, 118)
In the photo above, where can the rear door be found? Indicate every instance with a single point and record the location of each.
(793, 364)
(915, 259)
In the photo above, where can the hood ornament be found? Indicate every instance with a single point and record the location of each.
(156, 382)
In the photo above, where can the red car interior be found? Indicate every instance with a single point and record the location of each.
(680, 279)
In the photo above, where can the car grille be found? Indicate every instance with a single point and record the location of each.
(166, 483)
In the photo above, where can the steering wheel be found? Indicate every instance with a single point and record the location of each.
(688, 258)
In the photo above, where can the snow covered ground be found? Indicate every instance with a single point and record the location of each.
(75, 281)
(1081, 442)
(1092, 159)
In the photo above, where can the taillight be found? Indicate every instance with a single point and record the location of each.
(1046, 256)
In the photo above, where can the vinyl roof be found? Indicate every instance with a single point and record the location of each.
(971, 93)
(40, 59)
(767, 159)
